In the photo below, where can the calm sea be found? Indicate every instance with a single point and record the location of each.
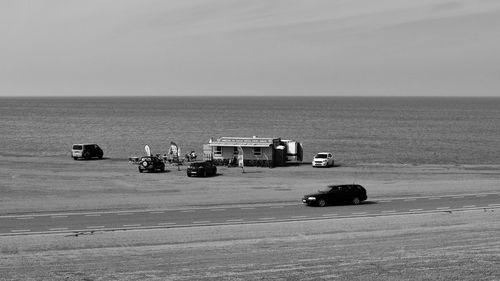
(357, 130)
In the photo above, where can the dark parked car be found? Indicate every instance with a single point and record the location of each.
(205, 168)
(346, 193)
(86, 151)
(151, 164)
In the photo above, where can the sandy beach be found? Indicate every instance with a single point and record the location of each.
(53, 184)
(440, 246)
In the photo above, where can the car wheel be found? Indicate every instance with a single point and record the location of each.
(355, 201)
(321, 203)
(86, 156)
(140, 170)
(76, 158)
(188, 174)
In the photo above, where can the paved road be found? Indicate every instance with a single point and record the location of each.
(147, 219)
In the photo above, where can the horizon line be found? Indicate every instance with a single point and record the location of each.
(247, 96)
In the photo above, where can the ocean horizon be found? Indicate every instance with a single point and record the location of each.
(358, 130)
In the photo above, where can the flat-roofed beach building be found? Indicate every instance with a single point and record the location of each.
(256, 151)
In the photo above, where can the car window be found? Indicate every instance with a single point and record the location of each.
(334, 189)
(77, 147)
(345, 188)
(359, 188)
(320, 156)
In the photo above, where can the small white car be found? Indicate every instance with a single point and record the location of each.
(323, 159)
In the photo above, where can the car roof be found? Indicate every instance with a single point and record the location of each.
(341, 185)
(324, 153)
(85, 143)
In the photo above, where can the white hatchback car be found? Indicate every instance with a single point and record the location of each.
(323, 159)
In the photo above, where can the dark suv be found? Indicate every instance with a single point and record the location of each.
(86, 151)
(151, 164)
(346, 193)
(205, 168)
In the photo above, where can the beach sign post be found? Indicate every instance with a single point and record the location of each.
(240, 159)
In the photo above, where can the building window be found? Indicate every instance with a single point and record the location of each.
(257, 151)
(218, 151)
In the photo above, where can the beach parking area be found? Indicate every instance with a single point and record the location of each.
(52, 184)
(437, 246)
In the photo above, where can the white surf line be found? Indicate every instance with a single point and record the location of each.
(95, 226)
(247, 208)
(58, 217)
(25, 218)
(187, 211)
(201, 222)
(20, 230)
(359, 213)
(157, 212)
(457, 197)
(433, 197)
(93, 215)
(493, 205)
(125, 214)
(269, 218)
(385, 201)
(329, 215)
(481, 195)
(277, 207)
(58, 229)
(167, 223)
(235, 220)
(217, 210)
(389, 212)
(132, 225)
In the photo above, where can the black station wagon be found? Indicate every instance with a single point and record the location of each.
(337, 194)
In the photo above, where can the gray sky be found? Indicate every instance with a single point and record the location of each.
(257, 47)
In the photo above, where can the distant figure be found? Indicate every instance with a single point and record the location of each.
(192, 155)
(233, 162)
